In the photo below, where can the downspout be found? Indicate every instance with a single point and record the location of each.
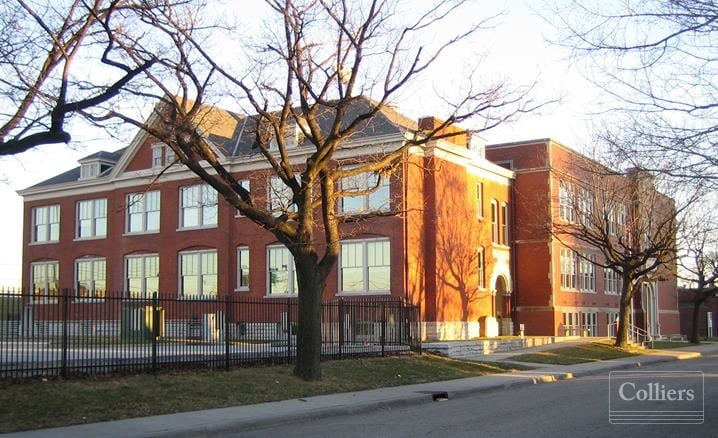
(405, 228)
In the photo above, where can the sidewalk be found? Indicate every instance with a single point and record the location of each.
(216, 421)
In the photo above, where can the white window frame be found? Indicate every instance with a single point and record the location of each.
(95, 219)
(89, 170)
(481, 262)
(144, 291)
(245, 184)
(587, 272)
(201, 274)
(140, 199)
(292, 284)
(365, 266)
(243, 259)
(45, 213)
(93, 290)
(566, 212)
(505, 223)
(611, 282)
(377, 201)
(589, 322)
(494, 221)
(571, 324)
(204, 192)
(48, 293)
(480, 199)
(157, 151)
(569, 268)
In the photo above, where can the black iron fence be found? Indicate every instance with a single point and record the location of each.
(65, 335)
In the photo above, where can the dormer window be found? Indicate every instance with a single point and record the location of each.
(96, 164)
(293, 137)
(89, 170)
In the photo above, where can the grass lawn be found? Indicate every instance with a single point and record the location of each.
(591, 352)
(39, 404)
(664, 345)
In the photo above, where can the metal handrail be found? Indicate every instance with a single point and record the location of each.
(635, 334)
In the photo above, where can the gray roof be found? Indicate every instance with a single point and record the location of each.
(242, 143)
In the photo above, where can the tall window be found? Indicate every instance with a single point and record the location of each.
(365, 266)
(569, 268)
(91, 278)
(92, 218)
(587, 272)
(617, 219)
(143, 275)
(282, 274)
(198, 274)
(46, 224)
(481, 268)
(198, 206)
(242, 268)
(494, 222)
(157, 156)
(374, 198)
(504, 224)
(143, 212)
(479, 199)
(585, 206)
(45, 279)
(280, 196)
(565, 201)
(611, 282)
(245, 185)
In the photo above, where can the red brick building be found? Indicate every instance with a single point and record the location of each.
(461, 245)
(558, 292)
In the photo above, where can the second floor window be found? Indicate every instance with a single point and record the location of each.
(494, 222)
(198, 205)
(143, 212)
(280, 197)
(372, 194)
(504, 224)
(91, 278)
(611, 282)
(565, 202)
(481, 268)
(479, 199)
(92, 218)
(46, 224)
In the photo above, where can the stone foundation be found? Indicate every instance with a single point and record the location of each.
(472, 349)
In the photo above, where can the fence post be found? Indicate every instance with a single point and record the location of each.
(341, 327)
(383, 327)
(65, 332)
(289, 331)
(227, 308)
(155, 330)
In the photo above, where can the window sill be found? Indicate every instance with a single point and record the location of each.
(45, 242)
(140, 233)
(88, 300)
(201, 298)
(82, 239)
(274, 296)
(365, 213)
(44, 301)
(201, 227)
(500, 246)
(242, 289)
(362, 293)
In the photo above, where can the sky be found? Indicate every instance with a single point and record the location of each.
(516, 49)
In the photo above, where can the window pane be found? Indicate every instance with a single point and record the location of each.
(278, 271)
(379, 278)
(190, 217)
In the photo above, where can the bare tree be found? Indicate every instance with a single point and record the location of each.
(698, 264)
(58, 59)
(307, 76)
(658, 61)
(625, 219)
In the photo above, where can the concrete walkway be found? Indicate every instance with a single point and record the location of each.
(216, 421)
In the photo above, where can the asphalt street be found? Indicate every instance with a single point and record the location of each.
(571, 408)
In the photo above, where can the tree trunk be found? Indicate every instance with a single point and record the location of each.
(309, 321)
(624, 311)
(694, 327)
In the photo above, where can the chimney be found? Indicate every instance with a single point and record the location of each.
(430, 123)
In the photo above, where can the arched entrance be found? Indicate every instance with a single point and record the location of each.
(503, 307)
(649, 304)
